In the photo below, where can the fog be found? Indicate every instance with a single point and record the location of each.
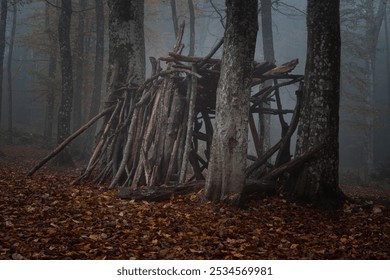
(30, 66)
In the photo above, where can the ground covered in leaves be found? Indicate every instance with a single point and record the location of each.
(44, 217)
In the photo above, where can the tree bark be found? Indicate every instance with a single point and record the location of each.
(65, 111)
(98, 72)
(79, 64)
(174, 17)
(127, 44)
(269, 56)
(3, 25)
(50, 98)
(373, 26)
(226, 173)
(317, 180)
(9, 73)
(191, 9)
(126, 63)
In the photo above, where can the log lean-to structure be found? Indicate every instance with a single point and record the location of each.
(158, 136)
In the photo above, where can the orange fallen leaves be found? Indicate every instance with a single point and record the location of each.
(46, 218)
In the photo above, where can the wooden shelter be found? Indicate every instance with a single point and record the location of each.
(151, 134)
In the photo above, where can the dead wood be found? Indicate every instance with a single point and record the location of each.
(60, 147)
(154, 131)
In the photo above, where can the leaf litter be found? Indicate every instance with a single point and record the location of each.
(44, 217)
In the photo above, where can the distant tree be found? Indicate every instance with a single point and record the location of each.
(174, 17)
(269, 55)
(9, 71)
(51, 90)
(3, 25)
(361, 25)
(317, 180)
(79, 65)
(226, 171)
(98, 70)
(191, 9)
(65, 111)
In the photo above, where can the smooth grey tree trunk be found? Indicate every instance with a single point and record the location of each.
(9, 73)
(65, 111)
(3, 25)
(373, 25)
(191, 9)
(79, 64)
(269, 55)
(174, 17)
(98, 72)
(226, 172)
(317, 180)
(50, 98)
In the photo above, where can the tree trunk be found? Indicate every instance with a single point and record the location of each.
(317, 180)
(226, 173)
(126, 65)
(3, 25)
(174, 17)
(127, 47)
(98, 73)
(269, 56)
(50, 98)
(65, 111)
(79, 63)
(387, 60)
(373, 26)
(191, 8)
(9, 72)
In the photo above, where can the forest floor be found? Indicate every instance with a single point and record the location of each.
(44, 217)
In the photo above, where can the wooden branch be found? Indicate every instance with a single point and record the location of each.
(193, 59)
(283, 69)
(270, 152)
(165, 73)
(293, 125)
(126, 152)
(212, 52)
(190, 125)
(97, 152)
(288, 166)
(178, 47)
(68, 140)
(255, 135)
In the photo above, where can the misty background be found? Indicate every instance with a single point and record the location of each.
(365, 99)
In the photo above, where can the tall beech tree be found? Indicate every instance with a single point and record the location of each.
(127, 44)
(65, 111)
(317, 180)
(51, 91)
(226, 172)
(98, 71)
(3, 25)
(9, 71)
(126, 58)
(269, 55)
(79, 65)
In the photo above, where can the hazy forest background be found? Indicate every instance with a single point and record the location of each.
(70, 217)
(364, 113)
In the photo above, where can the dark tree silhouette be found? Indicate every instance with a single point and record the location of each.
(65, 111)
(317, 180)
(3, 25)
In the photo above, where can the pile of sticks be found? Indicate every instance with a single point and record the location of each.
(152, 132)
